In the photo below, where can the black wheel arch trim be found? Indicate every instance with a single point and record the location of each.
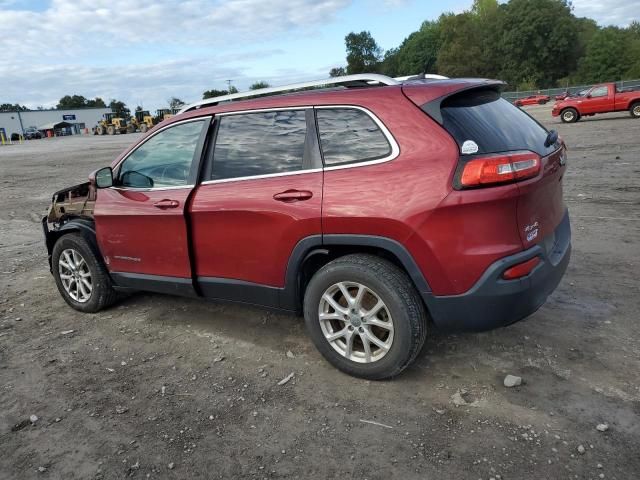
(291, 295)
(84, 226)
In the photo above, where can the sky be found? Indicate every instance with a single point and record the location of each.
(146, 51)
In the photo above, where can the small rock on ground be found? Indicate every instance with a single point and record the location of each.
(512, 381)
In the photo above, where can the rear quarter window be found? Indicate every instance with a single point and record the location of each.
(483, 122)
(349, 135)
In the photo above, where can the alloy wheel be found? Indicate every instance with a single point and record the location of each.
(356, 322)
(75, 275)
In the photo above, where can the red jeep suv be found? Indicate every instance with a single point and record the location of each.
(376, 208)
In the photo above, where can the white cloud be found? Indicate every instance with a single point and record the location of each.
(608, 12)
(73, 26)
(143, 49)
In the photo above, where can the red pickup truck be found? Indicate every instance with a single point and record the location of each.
(603, 98)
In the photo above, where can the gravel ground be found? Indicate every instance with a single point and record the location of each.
(163, 387)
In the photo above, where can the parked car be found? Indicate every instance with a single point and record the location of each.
(602, 98)
(377, 212)
(31, 133)
(532, 100)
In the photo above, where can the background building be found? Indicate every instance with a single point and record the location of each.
(76, 120)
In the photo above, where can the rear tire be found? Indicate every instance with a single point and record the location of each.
(81, 279)
(144, 127)
(634, 110)
(569, 115)
(394, 332)
(111, 130)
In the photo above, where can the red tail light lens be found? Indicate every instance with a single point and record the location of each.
(521, 269)
(503, 168)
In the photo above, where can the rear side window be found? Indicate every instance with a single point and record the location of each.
(482, 122)
(261, 143)
(349, 135)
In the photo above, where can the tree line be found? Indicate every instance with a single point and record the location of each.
(530, 44)
(119, 108)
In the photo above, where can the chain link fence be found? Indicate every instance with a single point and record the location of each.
(552, 92)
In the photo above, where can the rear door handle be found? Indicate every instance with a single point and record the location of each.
(289, 196)
(166, 203)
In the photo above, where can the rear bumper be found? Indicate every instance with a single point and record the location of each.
(494, 302)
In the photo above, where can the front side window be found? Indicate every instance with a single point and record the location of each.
(349, 135)
(599, 92)
(261, 143)
(164, 160)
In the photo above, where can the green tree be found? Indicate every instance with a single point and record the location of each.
(536, 39)
(7, 107)
(96, 103)
(417, 52)
(259, 85)
(175, 103)
(232, 89)
(213, 93)
(461, 51)
(363, 53)
(610, 55)
(78, 101)
(119, 109)
(633, 52)
(389, 64)
(72, 101)
(337, 72)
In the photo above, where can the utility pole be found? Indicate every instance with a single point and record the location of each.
(228, 84)
(20, 120)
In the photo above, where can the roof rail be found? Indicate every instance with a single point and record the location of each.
(359, 80)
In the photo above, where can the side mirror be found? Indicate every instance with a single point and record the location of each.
(136, 180)
(104, 177)
(588, 95)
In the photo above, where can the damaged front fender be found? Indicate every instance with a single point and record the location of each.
(76, 201)
(71, 209)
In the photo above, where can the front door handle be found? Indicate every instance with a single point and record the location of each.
(166, 203)
(289, 196)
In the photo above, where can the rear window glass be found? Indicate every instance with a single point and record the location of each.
(482, 122)
(349, 135)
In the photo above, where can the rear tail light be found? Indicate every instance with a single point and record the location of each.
(498, 169)
(521, 270)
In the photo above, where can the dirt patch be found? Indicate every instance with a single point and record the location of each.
(165, 387)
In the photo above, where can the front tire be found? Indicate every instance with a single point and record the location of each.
(81, 279)
(569, 115)
(634, 110)
(365, 316)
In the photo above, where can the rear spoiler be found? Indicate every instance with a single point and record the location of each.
(429, 99)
